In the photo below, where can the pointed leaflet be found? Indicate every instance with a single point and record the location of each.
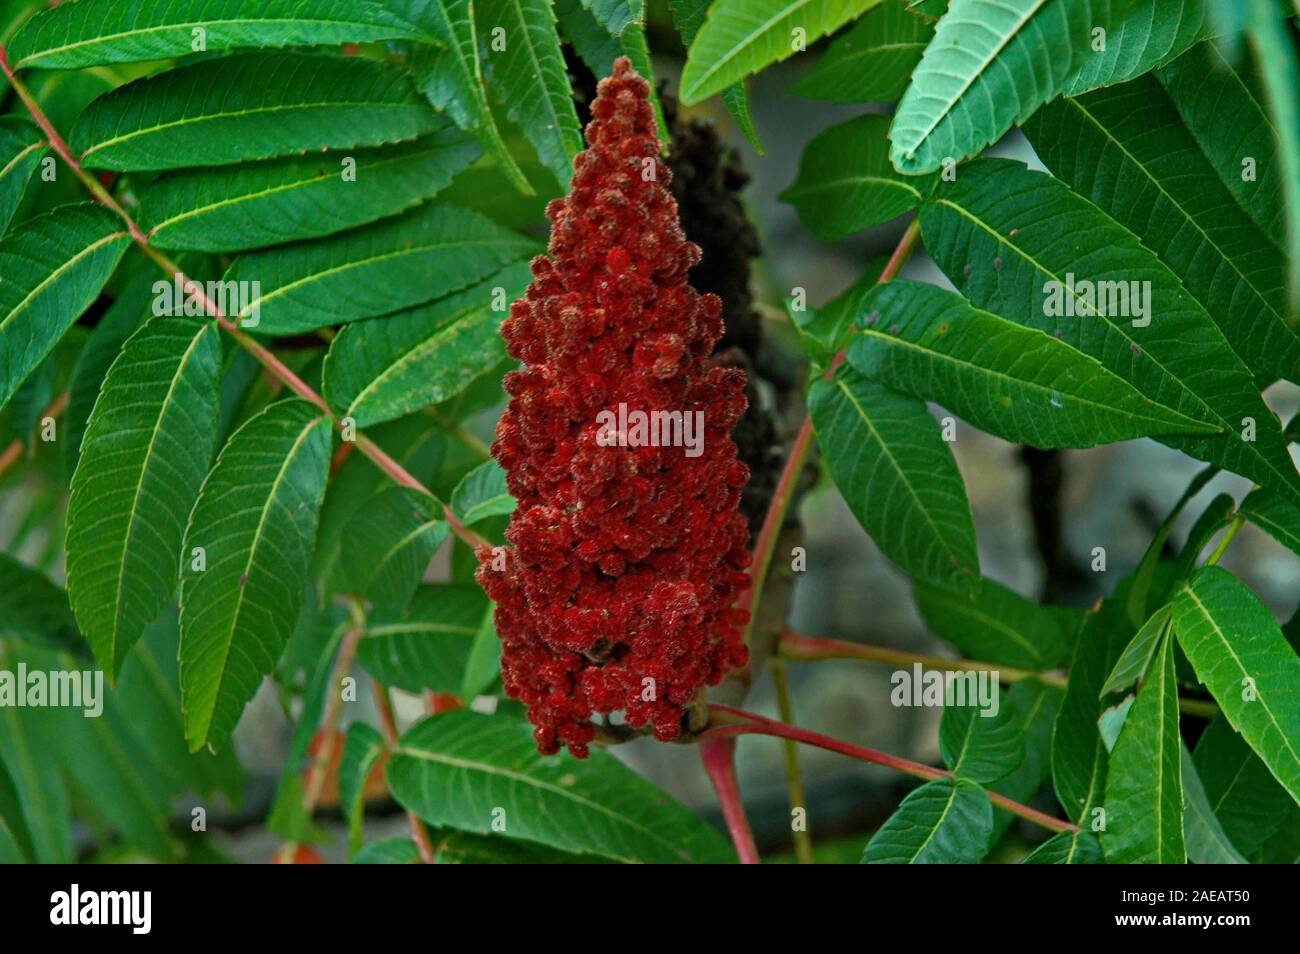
(1133, 662)
(144, 457)
(362, 751)
(1275, 515)
(93, 32)
(232, 208)
(1078, 754)
(387, 546)
(455, 769)
(482, 493)
(528, 75)
(1019, 383)
(1127, 150)
(426, 646)
(1067, 848)
(1222, 107)
(947, 821)
(451, 75)
(871, 63)
(740, 37)
(1144, 788)
(382, 268)
(688, 17)
(256, 522)
(380, 370)
(845, 182)
(997, 233)
(1207, 842)
(1238, 651)
(53, 268)
(897, 475)
(21, 148)
(250, 106)
(990, 65)
(1245, 798)
(980, 744)
(1148, 34)
(999, 626)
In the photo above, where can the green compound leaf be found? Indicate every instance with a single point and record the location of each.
(143, 459)
(996, 232)
(256, 522)
(1126, 149)
(250, 106)
(461, 770)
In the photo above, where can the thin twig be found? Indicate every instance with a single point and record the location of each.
(803, 846)
(718, 756)
(734, 722)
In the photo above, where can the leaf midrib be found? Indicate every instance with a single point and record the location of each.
(469, 765)
(204, 24)
(973, 75)
(258, 536)
(118, 602)
(1104, 374)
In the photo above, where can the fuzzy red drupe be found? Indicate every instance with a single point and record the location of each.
(617, 590)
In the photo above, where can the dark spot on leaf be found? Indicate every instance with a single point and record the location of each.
(1014, 232)
(243, 579)
(997, 263)
(893, 329)
(943, 328)
(1135, 348)
(967, 270)
(873, 317)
